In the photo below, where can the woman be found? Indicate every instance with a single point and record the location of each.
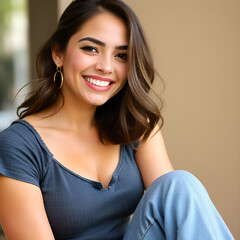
(87, 144)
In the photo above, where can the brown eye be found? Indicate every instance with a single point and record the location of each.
(89, 49)
(122, 56)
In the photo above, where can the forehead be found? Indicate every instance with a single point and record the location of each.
(106, 27)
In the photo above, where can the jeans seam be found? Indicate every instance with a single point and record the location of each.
(144, 234)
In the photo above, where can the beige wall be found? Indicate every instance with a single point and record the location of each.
(196, 46)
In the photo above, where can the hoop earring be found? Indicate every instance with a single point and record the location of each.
(58, 71)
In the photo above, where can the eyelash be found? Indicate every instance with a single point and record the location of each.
(122, 56)
(89, 49)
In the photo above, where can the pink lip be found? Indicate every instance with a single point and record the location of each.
(95, 87)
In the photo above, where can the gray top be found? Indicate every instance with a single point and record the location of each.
(77, 207)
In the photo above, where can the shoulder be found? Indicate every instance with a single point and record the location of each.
(15, 136)
(20, 134)
(17, 130)
(22, 156)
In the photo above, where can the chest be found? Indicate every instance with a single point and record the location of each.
(77, 206)
(84, 155)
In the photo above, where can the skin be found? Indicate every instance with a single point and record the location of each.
(24, 218)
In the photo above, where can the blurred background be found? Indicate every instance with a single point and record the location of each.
(14, 60)
(196, 48)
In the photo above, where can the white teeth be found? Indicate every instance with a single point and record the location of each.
(97, 82)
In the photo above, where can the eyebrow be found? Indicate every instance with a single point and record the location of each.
(98, 42)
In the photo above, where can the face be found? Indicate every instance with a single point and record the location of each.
(95, 60)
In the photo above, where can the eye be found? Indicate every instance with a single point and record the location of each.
(122, 56)
(89, 49)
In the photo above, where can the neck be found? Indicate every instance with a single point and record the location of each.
(72, 115)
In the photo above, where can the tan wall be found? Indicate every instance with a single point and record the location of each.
(196, 46)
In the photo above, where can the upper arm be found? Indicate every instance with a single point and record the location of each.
(152, 158)
(22, 212)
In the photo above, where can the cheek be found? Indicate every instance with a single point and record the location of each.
(123, 72)
(77, 61)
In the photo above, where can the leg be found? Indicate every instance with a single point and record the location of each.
(177, 206)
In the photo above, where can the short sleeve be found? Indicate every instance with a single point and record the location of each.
(20, 156)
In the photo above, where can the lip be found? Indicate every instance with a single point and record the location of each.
(95, 87)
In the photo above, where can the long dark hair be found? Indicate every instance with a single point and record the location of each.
(129, 115)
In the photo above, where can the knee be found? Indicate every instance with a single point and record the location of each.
(185, 179)
(177, 176)
(178, 182)
(181, 177)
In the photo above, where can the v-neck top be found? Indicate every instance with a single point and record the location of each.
(77, 207)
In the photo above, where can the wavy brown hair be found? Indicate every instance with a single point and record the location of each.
(129, 115)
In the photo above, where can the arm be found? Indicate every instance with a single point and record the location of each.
(22, 213)
(152, 158)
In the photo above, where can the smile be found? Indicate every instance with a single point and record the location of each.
(97, 82)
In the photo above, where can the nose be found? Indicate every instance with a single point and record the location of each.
(104, 64)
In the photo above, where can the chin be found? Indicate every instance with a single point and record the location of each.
(99, 102)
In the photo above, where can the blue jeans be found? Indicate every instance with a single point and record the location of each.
(176, 206)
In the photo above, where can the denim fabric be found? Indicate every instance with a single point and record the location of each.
(177, 206)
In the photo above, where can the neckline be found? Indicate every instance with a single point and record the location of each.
(96, 184)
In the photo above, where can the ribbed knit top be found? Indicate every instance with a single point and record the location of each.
(77, 207)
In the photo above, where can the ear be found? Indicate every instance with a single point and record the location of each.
(57, 55)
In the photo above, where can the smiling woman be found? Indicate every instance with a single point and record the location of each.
(87, 144)
(73, 28)
(94, 67)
